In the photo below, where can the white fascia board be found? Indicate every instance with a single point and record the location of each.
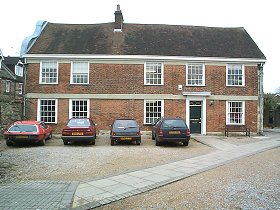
(145, 57)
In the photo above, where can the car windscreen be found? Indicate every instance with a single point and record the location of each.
(23, 128)
(173, 124)
(125, 124)
(79, 123)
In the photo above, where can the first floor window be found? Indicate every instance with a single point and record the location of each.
(79, 108)
(195, 75)
(47, 110)
(235, 112)
(20, 88)
(153, 73)
(80, 73)
(153, 111)
(235, 75)
(49, 73)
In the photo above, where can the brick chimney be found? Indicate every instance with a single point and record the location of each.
(118, 19)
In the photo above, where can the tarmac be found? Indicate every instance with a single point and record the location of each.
(40, 195)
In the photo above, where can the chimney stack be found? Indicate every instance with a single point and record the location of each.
(118, 19)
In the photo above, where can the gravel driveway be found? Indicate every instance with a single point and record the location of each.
(80, 162)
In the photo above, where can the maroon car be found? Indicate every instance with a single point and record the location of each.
(79, 130)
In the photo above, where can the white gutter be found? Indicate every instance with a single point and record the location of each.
(144, 57)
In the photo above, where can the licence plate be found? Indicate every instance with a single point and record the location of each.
(174, 132)
(126, 138)
(21, 137)
(77, 134)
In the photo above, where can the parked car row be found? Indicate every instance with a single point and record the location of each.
(84, 130)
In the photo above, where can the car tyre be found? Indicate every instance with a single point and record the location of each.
(186, 143)
(138, 142)
(153, 136)
(92, 142)
(50, 136)
(65, 142)
(43, 142)
(112, 142)
(9, 143)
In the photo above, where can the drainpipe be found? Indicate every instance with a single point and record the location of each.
(260, 99)
(24, 88)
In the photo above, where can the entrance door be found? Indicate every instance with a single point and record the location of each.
(195, 116)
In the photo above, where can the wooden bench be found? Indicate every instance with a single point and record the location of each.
(237, 128)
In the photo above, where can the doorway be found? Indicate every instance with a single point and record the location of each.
(195, 116)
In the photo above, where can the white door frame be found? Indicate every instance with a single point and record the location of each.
(203, 113)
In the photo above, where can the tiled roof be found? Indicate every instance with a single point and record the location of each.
(150, 39)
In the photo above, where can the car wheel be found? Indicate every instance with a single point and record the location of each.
(50, 136)
(43, 142)
(92, 142)
(153, 136)
(65, 142)
(186, 143)
(157, 142)
(112, 142)
(138, 142)
(9, 143)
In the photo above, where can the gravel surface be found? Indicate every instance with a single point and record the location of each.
(249, 183)
(81, 162)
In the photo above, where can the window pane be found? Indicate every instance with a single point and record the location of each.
(48, 111)
(154, 73)
(235, 74)
(49, 72)
(80, 72)
(153, 111)
(79, 108)
(235, 112)
(195, 74)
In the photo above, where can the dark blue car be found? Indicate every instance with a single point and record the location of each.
(171, 130)
(125, 130)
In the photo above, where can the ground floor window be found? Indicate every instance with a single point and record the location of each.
(79, 108)
(153, 111)
(235, 112)
(47, 110)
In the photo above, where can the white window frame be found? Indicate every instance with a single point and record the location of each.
(71, 75)
(145, 112)
(39, 110)
(145, 72)
(187, 74)
(228, 113)
(8, 86)
(41, 72)
(19, 70)
(243, 74)
(70, 107)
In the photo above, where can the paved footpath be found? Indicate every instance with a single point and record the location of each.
(35, 195)
(96, 193)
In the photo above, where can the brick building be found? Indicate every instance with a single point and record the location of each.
(207, 75)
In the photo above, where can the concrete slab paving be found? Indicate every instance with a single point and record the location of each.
(140, 181)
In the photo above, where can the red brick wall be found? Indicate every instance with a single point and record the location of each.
(129, 79)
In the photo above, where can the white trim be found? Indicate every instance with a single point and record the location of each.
(243, 75)
(78, 99)
(40, 76)
(147, 57)
(162, 110)
(38, 109)
(71, 76)
(162, 73)
(203, 112)
(7, 86)
(203, 74)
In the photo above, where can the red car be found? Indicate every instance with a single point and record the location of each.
(78, 130)
(27, 131)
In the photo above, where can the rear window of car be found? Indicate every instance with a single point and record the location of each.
(23, 128)
(125, 124)
(173, 123)
(79, 122)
